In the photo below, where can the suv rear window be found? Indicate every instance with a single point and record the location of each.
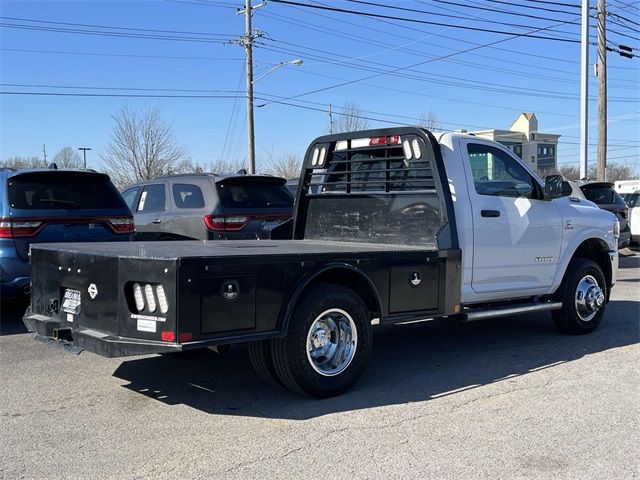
(254, 193)
(603, 196)
(63, 190)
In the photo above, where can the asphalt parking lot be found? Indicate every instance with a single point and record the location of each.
(506, 398)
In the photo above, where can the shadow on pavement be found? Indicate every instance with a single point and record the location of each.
(410, 363)
(11, 312)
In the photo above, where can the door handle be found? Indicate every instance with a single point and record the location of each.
(157, 220)
(490, 213)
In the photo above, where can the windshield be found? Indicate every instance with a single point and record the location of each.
(63, 190)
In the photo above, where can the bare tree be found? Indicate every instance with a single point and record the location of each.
(143, 146)
(226, 166)
(68, 158)
(614, 172)
(23, 162)
(430, 121)
(287, 166)
(350, 119)
(570, 172)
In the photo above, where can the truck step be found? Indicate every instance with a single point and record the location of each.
(472, 315)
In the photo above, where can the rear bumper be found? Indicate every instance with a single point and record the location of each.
(101, 343)
(14, 272)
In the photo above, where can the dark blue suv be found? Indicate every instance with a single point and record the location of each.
(49, 205)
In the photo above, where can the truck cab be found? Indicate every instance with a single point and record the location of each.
(516, 241)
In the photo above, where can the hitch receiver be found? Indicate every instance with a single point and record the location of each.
(62, 334)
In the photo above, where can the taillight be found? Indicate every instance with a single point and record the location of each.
(225, 223)
(122, 224)
(12, 228)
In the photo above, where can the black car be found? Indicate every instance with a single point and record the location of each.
(208, 206)
(603, 195)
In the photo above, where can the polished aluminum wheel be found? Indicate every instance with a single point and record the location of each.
(589, 298)
(332, 342)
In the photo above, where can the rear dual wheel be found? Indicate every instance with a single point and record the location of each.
(327, 346)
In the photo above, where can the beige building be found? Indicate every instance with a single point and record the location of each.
(540, 150)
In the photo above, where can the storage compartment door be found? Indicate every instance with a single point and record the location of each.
(227, 303)
(413, 288)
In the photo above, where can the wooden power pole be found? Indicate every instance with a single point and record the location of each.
(601, 72)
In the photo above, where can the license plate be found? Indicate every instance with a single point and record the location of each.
(71, 301)
(270, 224)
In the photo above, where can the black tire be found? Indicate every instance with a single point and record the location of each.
(568, 319)
(262, 362)
(290, 357)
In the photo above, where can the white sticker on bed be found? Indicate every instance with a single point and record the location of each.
(146, 326)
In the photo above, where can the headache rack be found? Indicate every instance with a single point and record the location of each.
(382, 164)
(378, 186)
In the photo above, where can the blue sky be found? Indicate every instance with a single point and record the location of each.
(484, 88)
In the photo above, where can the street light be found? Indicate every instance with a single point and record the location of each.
(296, 62)
(84, 154)
(251, 136)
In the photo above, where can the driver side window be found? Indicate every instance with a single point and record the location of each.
(497, 174)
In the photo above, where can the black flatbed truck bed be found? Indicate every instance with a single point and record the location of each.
(266, 274)
(374, 241)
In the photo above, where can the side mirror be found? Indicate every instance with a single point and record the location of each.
(555, 187)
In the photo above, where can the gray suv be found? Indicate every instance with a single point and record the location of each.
(209, 206)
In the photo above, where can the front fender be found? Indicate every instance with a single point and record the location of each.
(606, 242)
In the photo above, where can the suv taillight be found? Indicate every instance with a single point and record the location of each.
(122, 224)
(225, 223)
(13, 228)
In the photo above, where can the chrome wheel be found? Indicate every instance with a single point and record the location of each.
(332, 342)
(589, 298)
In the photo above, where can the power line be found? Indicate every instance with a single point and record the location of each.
(467, 18)
(60, 52)
(111, 34)
(425, 22)
(113, 27)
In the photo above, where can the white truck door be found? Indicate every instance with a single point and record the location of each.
(517, 235)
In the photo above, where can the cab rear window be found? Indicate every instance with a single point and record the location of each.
(262, 193)
(62, 191)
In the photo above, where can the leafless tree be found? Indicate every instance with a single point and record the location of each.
(143, 146)
(287, 166)
(23, 162)
(430, 121)
(349, 119)
(226, 166)
(614, 172)
(570, 172)
(68, 158)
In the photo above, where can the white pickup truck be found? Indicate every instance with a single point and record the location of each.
(391, 226)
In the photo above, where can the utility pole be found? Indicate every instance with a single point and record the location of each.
(247, 42)
(584, 91)
(44, 153)
(84, 154)
(601, 72)
(330, 119)
(248, 46)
